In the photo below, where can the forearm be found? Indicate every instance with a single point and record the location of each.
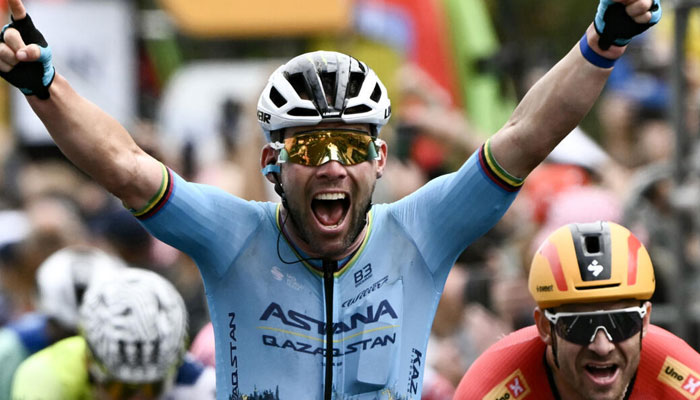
(551, 109)
(97, 144)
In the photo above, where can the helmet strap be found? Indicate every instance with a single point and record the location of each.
(641, 331)
(373, 130)
(553, 334)
(280, 190)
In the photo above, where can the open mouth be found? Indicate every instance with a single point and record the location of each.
(330, 209)
(602, 374)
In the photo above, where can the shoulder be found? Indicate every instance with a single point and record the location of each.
(178, 195)
(60, 368)
(668, 366)
(65, 353)
(513, 366)
(660, 344)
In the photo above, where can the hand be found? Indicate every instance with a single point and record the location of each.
(25, 57)
(618, 21)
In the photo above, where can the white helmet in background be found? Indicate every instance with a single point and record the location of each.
(323, 86)
(135, 326)
(63, 278)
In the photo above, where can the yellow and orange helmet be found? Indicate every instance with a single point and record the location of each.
(592, 262)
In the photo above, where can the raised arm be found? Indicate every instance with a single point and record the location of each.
(563, 96)
(94, 141)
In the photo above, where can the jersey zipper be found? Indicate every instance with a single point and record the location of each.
(328, 268)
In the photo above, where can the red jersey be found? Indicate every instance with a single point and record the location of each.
(514, 369)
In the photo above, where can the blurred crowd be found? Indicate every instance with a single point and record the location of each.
(619, 168)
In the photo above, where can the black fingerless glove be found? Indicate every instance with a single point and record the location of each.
(32, 77)
(615, 26)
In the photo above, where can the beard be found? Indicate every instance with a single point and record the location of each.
(358, 219)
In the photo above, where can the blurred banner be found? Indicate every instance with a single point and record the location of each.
(415, 27)
(93, 48)
(197, 99)
(237, 18)
(448, 39)
(474, 41)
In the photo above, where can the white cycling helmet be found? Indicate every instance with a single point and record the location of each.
(323, 86)
(64, 276)
(135, 326)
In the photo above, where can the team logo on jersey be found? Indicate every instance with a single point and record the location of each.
(513, 387)
(680, 377)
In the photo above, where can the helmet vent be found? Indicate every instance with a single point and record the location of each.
(277, 98)
(156, 351)
(376, 94)
(597, 286)
(303, 112)
(592, 244)
(357, 110)
(355, 83)
(79, 290)
(123, 357)
(299, 84)
(328, 81)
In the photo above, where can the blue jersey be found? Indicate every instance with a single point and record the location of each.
(269, 317)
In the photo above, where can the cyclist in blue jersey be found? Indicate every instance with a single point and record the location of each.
(324, 296)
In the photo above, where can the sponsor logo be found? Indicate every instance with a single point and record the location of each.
(277, 273)
(264, 117)
(691, 384)
(545, 288)
(414, 371)
(315, 349)
(375, 286)
(289, 279)
(513, 387)
(363, 274)
(304, 322)
(595, 268)
(680, 377)
(233, 358)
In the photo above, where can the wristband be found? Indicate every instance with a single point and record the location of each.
(592, 57)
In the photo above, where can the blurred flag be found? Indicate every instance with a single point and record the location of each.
(415, 27)
(474, 41)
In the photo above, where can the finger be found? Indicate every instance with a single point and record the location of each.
(7, 57)
(29, 53)
(639, 9)
(5, 67)
(17, 9)
(13, 39)
(643, 19)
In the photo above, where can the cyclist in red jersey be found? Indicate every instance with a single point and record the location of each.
(592, 338)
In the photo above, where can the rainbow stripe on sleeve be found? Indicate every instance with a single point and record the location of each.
(159, 199)
(494, 171)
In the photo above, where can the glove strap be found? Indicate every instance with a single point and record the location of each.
(592, 57)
